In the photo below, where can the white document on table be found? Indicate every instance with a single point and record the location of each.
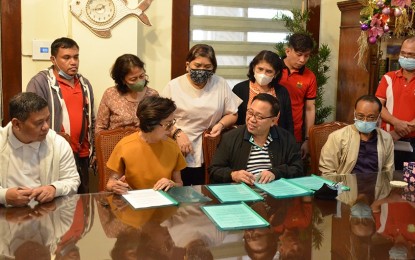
(148, 198)
(403, 146)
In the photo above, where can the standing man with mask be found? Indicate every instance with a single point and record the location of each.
(396, 91)
(71, 102)
(361, 148)
(302, 85)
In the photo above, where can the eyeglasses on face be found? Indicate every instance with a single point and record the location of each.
(169, 125)
(368, 118)
(250, 113)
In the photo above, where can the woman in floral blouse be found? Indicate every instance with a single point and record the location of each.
(119, 104)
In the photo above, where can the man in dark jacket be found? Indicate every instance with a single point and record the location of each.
(258, 151)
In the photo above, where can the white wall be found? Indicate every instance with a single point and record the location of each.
(51, 19)
(329, 34)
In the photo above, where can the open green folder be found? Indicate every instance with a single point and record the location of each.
(314, 182)
(283, 188)
(149, 198)
(234, 216)
(233, 192)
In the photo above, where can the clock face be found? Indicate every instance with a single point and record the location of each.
(100, 11)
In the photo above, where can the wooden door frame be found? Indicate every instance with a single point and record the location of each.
(11, 52)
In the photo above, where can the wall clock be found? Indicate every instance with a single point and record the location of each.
(100, 16)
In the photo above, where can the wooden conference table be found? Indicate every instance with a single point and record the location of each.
(104, 226)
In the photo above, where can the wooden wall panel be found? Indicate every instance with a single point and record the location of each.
(11, 49)
(180, 36)
(353, 81)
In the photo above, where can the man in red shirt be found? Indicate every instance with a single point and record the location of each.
(302, 85)
(396, 91)
(71, 102)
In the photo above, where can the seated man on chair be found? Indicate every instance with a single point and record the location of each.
(35, 162)
(361, 148)
(258, 151)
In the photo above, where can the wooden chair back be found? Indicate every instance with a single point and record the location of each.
(66, 136)
(209, 145)
(318, 136)
(105, 142)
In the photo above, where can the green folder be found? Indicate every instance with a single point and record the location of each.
(282, 188)
(233, 192)
(314, 182)
(186, 194)
(234, 216)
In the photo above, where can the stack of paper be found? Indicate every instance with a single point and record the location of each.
(148, 198)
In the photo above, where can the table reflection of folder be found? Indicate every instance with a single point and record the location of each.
(403, 146)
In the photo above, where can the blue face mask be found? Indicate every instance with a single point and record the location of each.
(407, 63)
(365, 127)
(62, 73)
(361, 210)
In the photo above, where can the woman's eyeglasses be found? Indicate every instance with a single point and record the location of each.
(169, 125)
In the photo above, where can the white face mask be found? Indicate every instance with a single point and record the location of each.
(262, 79)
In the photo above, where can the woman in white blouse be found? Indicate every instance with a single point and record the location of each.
(204, 101)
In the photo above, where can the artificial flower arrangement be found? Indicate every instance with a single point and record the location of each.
(375, 22)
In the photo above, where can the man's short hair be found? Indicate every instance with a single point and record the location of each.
(63, 42)
(273, 101)
(24, 103)
(301, 42)
(152, 110)
(371, 99)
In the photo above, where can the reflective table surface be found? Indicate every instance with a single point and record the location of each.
(104, 226)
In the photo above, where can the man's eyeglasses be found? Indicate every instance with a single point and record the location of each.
(250, 113)
(168, 125)
(369, 118)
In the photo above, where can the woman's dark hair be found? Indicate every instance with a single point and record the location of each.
(122, 67)
(152, 110)
(203, 50)
(272, 59)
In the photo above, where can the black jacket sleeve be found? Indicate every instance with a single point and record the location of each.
(242, 91)
(286, 116)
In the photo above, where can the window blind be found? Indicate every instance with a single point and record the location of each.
(238, 30)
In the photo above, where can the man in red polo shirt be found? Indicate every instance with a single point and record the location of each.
(302, 85)
(396, 91)
(71, 102)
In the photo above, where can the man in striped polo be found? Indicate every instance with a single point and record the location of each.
(258, 151)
